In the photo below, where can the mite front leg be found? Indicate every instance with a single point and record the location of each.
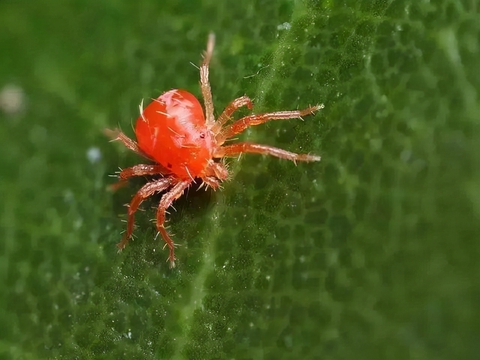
(240, 125)
(240, 148)
(229, 110)
(165, 203)
(130, 144)
(145, 191)
(205, 84)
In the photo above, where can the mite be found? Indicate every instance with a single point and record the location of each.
(185, 144)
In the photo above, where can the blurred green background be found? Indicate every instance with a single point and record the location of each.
(372, 253)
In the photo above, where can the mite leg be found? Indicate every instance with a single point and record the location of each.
(229, 110)
(210, 181)
(130, 144)
(205, 84)
(240, 125)
(145, 191)
(167, 200)
(142, 170)
(240, 148)
(138, 170)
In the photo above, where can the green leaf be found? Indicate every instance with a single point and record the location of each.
(370, 254)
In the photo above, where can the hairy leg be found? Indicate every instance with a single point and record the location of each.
(229, 110)
(137, 170)
(167, 200)
(211, 181)
(145, 191)
(205, 84)
(240, 125)
(240, 148)
(142, 170)
(130, 144)
(216, 170)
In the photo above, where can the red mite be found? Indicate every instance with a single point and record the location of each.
(186, 144)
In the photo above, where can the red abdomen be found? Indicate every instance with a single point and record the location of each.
(172, 131)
